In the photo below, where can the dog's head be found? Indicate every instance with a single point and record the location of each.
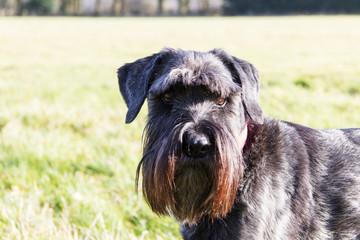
(199, 103)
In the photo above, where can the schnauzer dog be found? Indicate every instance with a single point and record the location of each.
(222, 169)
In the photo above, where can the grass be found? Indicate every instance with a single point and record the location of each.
(68, 161)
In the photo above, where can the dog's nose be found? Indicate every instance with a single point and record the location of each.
(196, 144)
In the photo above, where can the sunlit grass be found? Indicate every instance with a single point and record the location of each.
(67, 160)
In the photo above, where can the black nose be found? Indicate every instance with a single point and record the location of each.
(196, 144)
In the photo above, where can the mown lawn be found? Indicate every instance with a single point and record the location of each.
(68, 161)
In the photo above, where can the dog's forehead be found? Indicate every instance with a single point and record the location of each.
(190, 68)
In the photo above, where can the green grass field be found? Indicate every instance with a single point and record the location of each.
(67, 159)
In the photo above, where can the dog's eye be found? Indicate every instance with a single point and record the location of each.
(221, 101)
(168, 97)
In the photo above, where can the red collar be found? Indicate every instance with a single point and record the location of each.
(243, 136)
(248, 134)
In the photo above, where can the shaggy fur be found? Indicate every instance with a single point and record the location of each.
(287, 182)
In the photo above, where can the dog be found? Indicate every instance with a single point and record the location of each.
(222, 169)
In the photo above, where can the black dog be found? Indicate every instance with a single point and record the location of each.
(222, 169)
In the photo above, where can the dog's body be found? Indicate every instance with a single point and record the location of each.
(223, 170)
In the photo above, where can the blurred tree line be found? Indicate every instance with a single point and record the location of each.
(271, 7)
(111, 7)
(175, 7)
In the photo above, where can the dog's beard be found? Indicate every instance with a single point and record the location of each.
(190, 188)
(194, 190)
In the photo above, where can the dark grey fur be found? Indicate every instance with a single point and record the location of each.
(292, 182)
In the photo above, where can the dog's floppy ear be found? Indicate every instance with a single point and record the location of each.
(134, 80)
(251, 86)
(248, 77)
